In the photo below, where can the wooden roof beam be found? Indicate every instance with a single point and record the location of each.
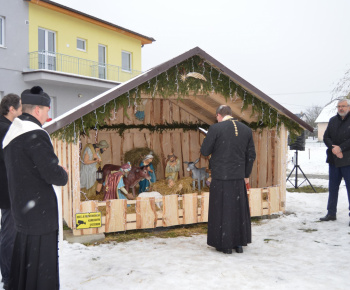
(236, 108)
(201, 102)
(193, 112)
(158, 96)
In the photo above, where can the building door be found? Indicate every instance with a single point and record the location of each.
(102, 73)
(46, 49)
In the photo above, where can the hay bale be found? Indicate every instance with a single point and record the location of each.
(135, 156)
(182, 186)
(90, 194)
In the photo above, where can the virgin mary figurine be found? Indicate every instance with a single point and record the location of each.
(145, 184)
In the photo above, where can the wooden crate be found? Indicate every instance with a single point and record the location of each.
(264, 201)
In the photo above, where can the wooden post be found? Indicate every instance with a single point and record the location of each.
(282, 156)
(204, 207)
(75, 194)
(170, 210)
(146, 214)
(190, 211)
(274, 200)
(255, 201)
(88, 206)
(116, 215)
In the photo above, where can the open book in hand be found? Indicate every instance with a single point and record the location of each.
(204, 131)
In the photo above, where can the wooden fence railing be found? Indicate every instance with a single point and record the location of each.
(170, 210)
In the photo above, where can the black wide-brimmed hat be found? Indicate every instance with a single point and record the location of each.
(35, 96)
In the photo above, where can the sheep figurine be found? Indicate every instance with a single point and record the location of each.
(154, 194)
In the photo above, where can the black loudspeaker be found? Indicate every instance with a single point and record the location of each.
(299, 142)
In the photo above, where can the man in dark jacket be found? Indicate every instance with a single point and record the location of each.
(337, 139)
(232, 150)
(32, 170)
(11, 108)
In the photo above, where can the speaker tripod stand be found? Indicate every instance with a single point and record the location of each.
(296, 167)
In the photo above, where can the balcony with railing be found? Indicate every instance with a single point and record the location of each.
(53, 61)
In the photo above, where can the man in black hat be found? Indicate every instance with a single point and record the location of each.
(32, 170)
(10, 108)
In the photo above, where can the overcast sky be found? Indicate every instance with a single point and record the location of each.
(295, 51)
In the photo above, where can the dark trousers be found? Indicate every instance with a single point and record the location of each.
(35, 262)
(229, 223)
(7, 239)
(335, 176)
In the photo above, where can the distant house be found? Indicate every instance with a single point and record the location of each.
(302, 116)
(322, 120)
(72, 55)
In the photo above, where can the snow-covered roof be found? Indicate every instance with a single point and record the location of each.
(328, 112)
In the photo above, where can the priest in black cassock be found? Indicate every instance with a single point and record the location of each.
(232, 150)
(32, 170)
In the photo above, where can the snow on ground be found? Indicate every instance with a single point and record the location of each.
(294, 251)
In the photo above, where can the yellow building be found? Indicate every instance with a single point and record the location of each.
(72, 55)
(67, 40)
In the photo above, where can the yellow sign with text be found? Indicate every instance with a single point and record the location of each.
(88, 220)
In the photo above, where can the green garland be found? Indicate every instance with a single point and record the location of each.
(159, 128)
(216, 81)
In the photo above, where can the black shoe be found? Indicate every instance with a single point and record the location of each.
(219, 249)
(328, 218)
(239, 249)
(227, 251)
(6, 286)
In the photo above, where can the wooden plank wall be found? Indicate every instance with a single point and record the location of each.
(185, 145)
(265, 167)
(271, 160)
(68, 155)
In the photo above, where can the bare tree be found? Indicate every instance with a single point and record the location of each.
(342, 88)
(311, 115)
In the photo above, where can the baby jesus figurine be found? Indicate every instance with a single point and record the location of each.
(176, 187)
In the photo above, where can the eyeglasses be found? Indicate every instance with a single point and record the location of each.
(342, 107)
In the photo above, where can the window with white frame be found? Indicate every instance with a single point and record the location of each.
(2, 31)
(47, 49)
(126, 61)
(81, 44)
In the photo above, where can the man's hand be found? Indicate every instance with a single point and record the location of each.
(246, 180)
(336, 149)
(339, 155)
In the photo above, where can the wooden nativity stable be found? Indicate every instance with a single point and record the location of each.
(176, 98)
